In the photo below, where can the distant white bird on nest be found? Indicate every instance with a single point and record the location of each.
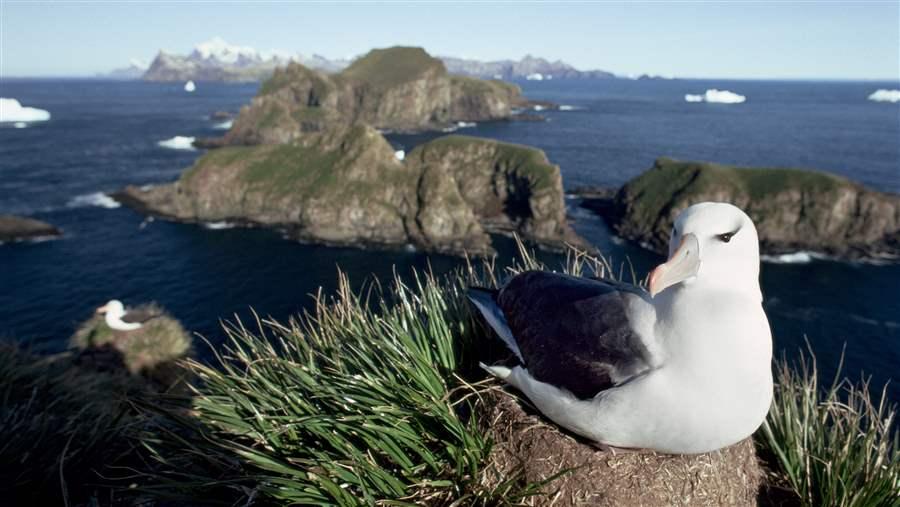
(685, 368)
(120, 320)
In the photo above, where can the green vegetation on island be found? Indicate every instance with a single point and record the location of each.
(347, 187)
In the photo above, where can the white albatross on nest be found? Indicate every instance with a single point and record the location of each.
(683, 369)
(120, 320)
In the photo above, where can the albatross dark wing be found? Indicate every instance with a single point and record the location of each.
(140, 315)
(574, 332)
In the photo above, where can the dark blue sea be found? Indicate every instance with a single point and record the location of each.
(104, 135)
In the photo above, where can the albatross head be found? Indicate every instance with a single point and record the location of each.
(114, 307)
(713, 244)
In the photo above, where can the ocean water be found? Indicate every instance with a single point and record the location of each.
(104, 135)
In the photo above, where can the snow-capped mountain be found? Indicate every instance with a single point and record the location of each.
(217, 60)
(529, 67)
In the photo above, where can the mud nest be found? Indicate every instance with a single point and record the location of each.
(529, 447)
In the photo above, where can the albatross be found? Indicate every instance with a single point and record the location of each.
(120, 320)
(683, 368)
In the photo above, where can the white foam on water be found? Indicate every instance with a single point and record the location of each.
(466, 124)
(789, 258)
(178, 143)
(566, 107)
(538, 107)
(715, 96)
(94, 199)
(882, 95)
(218, 225)
(400, 154)
(12, 111)
(190, 86)
(225, 125)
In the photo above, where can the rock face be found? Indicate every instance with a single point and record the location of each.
(400, 89)
(348, 188)
(528, 447)
(792, 209)
(14, 228)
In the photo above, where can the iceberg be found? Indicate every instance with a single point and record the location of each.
(882, 95)
(98, 199)
(12, 111)
(190, 86)
(218, 225)
(715, 96)
(178, 143)
(465, 124)
(20, 124)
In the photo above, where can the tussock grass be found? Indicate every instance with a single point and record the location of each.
(836, 446)
(363, 401)
(62, 426)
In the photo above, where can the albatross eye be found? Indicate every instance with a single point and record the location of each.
(725, 237)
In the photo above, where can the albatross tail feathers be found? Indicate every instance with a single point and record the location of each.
(483, 299)
(501, 372)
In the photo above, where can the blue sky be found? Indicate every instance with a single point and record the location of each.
(839, 40)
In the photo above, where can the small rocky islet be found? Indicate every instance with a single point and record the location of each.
(15, 228)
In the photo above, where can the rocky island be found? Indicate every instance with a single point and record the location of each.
(16, 228)
(307, 156)
(793, 209)
(395, 89)
(349, 188)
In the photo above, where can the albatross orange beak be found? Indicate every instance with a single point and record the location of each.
(683, 264)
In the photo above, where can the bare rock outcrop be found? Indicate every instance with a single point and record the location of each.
(16, 228)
